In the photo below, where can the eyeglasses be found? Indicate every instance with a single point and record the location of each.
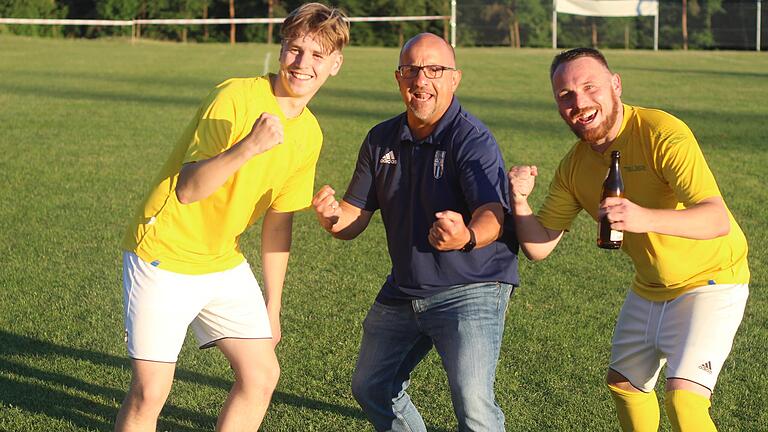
(430, 71)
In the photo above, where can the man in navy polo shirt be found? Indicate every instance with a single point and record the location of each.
(437, 175)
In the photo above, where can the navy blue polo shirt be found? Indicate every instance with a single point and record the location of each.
(458, 167)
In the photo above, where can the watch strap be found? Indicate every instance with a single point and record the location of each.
(471, 243)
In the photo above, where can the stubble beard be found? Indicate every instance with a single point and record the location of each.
(422, 113)
(423, 110)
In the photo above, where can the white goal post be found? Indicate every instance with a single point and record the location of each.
(759, 29)
(607, 8)
(133, 23)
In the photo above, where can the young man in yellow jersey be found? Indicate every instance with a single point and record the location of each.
(249, 152)
(690, 256)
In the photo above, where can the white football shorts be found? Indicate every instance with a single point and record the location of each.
(160, 305)
(692, 334)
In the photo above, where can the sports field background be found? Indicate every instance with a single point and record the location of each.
(85, 126)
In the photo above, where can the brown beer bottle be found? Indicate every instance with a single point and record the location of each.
(613, 186)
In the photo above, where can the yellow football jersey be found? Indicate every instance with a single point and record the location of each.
(663, 168)
(202, 237)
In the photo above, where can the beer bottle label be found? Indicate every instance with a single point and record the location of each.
(617, 235)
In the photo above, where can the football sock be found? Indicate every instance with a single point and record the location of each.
(637, 411)
(688, 411)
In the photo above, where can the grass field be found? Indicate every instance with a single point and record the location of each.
(85, 125)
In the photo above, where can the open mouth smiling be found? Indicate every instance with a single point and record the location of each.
(421, 96)
(585, 117)
(300, 76)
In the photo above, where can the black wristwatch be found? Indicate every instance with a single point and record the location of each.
(471, 243)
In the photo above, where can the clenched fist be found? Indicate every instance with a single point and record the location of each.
(326, 207)
(448, 232)
(266, 133)
(521, 181)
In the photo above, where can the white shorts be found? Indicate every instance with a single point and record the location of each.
(692, 334)
(159, 306)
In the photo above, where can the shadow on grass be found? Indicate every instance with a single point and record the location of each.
(505, 112)
(719, 73)
(142, 80)
(85, 404)
(82, 94)
(69, 398)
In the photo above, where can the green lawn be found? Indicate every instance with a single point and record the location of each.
(85, 125)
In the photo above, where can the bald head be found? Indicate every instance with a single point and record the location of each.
(429, 42)
(427, 77)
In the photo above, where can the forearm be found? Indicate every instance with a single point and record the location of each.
(275, 265)
(275, 249)
(200, 179)
(350, 223)
(706, 220)
(487, 221)
(536, 241)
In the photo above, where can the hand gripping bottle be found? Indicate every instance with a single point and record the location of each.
(613, 186)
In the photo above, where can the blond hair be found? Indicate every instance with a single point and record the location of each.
(329, 25)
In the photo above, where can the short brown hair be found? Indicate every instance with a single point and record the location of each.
(573, 54)
(330, 25)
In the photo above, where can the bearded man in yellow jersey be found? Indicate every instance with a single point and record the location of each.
(249, 152)
(690, 256)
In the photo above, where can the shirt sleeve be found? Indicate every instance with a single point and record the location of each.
(361, 191)
(296, 193)
(482, 175)
(560, 206)
(683, 165)
(215, 129)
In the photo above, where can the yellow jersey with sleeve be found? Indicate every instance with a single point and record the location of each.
(202, 237)
(663, 168)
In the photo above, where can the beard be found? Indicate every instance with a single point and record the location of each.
(422, 113)
(422, 110)
(593, 135)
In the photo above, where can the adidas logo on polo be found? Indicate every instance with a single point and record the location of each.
(706, 367)
(388, 158)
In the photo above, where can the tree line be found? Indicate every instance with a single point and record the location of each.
(700, 24)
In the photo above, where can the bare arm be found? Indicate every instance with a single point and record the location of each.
(343, 220)
(536, 241)
(449, 232)
(275, 248)
(200, 179)
(705, 220)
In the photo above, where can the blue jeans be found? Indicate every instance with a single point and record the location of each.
(465, 325)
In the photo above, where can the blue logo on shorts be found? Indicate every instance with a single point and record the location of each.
(155, 263)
